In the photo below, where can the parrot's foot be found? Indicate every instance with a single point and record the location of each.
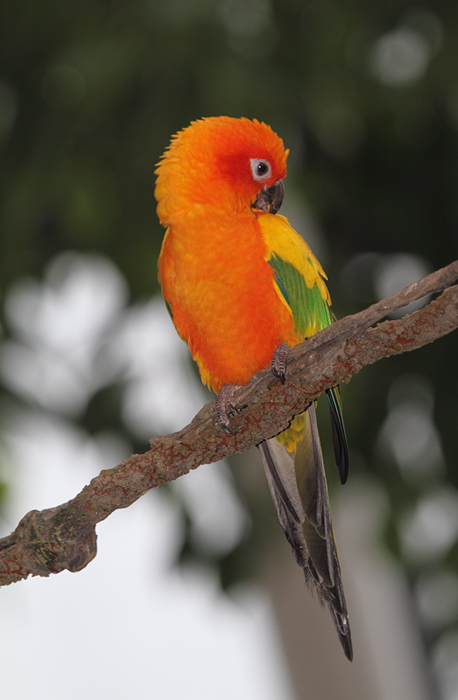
(279, 360)
(225, 406)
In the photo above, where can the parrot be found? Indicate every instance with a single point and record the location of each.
(242, 288)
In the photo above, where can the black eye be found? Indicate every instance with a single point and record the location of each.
(260, 169)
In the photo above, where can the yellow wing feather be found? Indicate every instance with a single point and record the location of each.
(282, 240)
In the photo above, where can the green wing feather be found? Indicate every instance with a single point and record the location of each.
(311, 313)
(293, 460)
(307, 305)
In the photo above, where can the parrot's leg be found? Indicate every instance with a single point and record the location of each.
(279, 360)
(225, 405)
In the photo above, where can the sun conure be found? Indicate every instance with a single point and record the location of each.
(242, 287)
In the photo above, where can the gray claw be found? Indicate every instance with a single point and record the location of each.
(279, 361)
(225, 406)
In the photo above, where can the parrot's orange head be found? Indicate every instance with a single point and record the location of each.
(224, 163)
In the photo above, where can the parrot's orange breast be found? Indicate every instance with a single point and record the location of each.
(221, 292)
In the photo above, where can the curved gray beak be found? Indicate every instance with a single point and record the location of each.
(270, 198)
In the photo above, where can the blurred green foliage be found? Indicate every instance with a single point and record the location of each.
(90, 95)
(364, 95)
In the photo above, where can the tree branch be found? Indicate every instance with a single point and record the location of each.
(64, 537)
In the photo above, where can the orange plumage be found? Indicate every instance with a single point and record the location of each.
(212, 267)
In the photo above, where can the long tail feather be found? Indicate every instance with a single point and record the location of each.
(298, 486)
(339, 437)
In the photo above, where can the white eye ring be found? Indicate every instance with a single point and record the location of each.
(261, 169)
